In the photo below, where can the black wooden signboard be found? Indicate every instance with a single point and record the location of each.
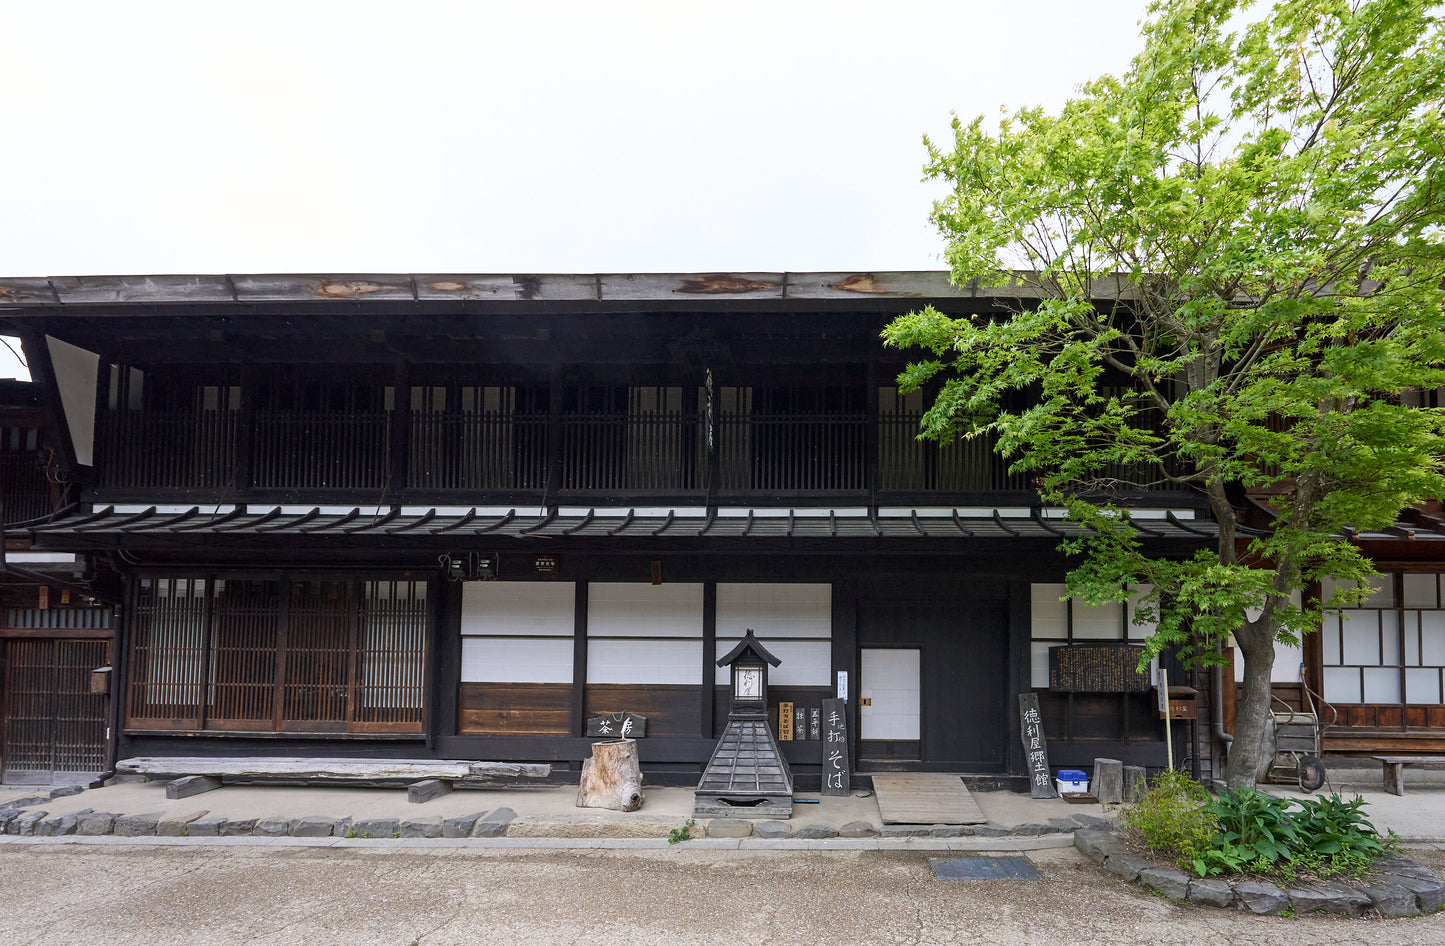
(837, 777)
(1097, 668)
(815, 723)
(1036, 748)
(617, 726)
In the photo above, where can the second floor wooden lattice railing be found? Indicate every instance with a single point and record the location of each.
(472, 454)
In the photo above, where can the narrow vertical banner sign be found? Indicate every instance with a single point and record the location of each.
(1036, 749)
(837, 777)
(785, 722)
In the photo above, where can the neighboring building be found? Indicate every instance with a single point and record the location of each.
(456, 515)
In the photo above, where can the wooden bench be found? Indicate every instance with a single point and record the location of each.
(1395, 768)
(193, 775)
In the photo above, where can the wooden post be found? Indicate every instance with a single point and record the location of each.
(612, 778)
(1135, 783)
(1109, 781)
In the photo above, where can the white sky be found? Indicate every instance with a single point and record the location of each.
(208, 137)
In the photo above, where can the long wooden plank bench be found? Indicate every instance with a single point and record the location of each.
(1394, 768)
(193, 775)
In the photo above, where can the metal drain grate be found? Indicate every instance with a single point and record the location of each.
(984, 868)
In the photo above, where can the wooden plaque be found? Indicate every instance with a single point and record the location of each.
(837, 772)
(1097, 668)
(617, 726)
(1036, 747)
(785, 722)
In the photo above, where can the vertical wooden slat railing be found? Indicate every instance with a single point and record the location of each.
(167, 449)
(818, 452)
(480, 450)
(321, 449)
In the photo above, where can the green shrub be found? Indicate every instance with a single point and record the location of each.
(1173, 819)
(1247, 831)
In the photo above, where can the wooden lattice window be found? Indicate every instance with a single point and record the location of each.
(253, 655)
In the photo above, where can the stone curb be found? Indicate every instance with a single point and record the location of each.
(973, 845)
(1401, 888)
(481, 824)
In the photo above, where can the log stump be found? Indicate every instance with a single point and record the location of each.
(1109, 781)
(612, 778)
(1136, 783)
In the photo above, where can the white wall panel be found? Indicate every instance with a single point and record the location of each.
(631, 661)
(774, 610)
(804, 663)
(638, 609)
(519, 608)
(516, 660)
(1049, 614)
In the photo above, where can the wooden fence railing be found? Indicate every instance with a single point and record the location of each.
(500, 451)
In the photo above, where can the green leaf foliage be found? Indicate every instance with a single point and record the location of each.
(1236, 252)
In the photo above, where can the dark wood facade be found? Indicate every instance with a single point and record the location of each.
(284, 472)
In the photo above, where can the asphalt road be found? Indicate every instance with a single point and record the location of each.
(74, 894)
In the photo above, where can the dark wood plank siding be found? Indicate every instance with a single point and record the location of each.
(515, 709)
(670, 710)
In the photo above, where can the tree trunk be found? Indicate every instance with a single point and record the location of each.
(612, 778)
(1252, 714)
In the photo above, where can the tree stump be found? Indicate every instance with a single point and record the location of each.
(612, 778)
(1109, 781)
(1136, 782)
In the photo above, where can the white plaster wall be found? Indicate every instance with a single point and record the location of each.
(628, 609)
(519, 608)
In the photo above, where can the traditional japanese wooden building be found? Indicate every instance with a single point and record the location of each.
(456, 515)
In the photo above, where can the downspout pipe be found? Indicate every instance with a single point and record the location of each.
(1221, 738)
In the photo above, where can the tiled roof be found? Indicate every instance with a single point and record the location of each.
(114, 522)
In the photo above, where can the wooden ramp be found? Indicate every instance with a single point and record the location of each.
(925, 798)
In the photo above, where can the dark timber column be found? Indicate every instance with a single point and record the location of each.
(870, 435)
(709, 655)
(845, 658)
(1020, 670)
(554, 435)
(246, 429)
(579, 659)
(400, 433)
(445, 651)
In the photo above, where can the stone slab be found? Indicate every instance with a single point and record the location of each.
(495, 824)
(176, 826)
(729, 828)
(137, 825)
(773, 830)
(378, 828)
(461, 826)
(1261, 897)
(421, 827)
(1170, 883)
(1210, 892)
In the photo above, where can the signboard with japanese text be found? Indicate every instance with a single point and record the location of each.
(1036, 747)
(617, 726)
(837, 772)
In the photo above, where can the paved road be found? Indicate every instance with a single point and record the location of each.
(72, 894)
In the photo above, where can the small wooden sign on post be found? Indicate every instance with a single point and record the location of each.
(785, 722)
(1036, 749)
(837, 776)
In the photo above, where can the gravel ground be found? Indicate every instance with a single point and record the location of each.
(196, 896)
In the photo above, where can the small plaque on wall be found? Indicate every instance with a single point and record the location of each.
(815, 723)
(785, 722)
(546, 564)
(617, 726)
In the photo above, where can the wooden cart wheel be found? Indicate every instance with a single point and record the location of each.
(1311, 773)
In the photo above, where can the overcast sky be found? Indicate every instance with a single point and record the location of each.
(211, 137)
